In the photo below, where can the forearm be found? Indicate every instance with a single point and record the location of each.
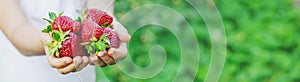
(18, 30)
(26, 38)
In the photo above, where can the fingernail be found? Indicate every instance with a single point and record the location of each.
(100, 54)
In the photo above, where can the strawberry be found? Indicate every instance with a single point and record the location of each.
(62, 31)
(97, 33)
(100, 17)
(92, 36)
(105, 20)
(113, 37)
(89, 29)
(94, 14)
(66, 23)
(71, 47)
(109, 39)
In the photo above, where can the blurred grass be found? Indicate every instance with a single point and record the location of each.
(263, 41)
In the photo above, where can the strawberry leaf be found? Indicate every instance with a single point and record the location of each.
(90, 50)
(106, 40)
(52, 44)
(94, 38)
(59, 45)
(50, 53)
(102, 46)
(95, 46)
(84, 15)
(79, 19)
(56, 53)
(52, 50)
(103, 36)
(111, 26)
(56, 36)
(47, 29)
(49, 21)
(64, 34)
(48, 44)
(52, 15)
(60, 14)
(104, 25)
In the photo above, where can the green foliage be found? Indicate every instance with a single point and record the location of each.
(262, 41)
(52, 15)
(57, 36)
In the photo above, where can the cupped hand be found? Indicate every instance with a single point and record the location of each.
(113, 55)
(65, 65)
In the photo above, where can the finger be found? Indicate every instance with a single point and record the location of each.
(59, 62)
(102, 53)
(93, 60)
(107, 59)
(122, 32)
(67, 69)
(85, 62)
(78, 61)
(120, 53)
(97, 61)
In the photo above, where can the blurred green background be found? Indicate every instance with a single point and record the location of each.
(263, 41)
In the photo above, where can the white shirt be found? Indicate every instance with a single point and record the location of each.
(14, 67)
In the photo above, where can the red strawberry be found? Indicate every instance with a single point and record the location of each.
(64, 42)
(66, 23)
(71, 47)
(105, 20)
(100, 17)
(96, 38)
(89, 29)
(94, 14)
(113, 37)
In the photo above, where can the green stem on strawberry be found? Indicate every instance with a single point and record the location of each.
(96, 46)
(57, 37)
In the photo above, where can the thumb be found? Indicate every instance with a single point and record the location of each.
(119, 53)
(122, 32)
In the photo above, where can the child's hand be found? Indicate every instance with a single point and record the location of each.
(113, 54)
(65, 65)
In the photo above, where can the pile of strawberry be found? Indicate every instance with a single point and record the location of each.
(89, 34)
